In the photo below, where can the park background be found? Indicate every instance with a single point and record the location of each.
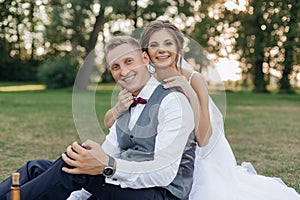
(253, 44)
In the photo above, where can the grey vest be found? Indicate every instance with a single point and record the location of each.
(138, 144)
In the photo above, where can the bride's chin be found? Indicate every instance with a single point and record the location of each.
(162, 66)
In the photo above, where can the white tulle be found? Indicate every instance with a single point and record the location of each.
(79, 195)
(218, 177)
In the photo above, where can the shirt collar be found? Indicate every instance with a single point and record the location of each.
(149, 88)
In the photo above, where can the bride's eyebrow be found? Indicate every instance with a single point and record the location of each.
(152, 42)
(169, 40)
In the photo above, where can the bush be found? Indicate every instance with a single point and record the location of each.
(17, 70)
(58, 72)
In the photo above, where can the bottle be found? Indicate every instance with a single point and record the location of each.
(15, 187)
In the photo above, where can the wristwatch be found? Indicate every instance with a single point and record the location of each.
(109, 171)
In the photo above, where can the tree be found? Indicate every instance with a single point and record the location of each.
(267, 41)
(290, 44)
(19, 34)
(140, 13)
(260, 34)
(254, 32)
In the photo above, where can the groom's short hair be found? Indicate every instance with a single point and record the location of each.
(119, 40)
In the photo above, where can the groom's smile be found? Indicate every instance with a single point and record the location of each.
(128, 67)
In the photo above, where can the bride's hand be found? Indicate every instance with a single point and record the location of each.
(125, 99)
(178, 82)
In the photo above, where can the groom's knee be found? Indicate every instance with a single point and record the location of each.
(36, 167)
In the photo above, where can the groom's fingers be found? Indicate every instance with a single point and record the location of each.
(72, 153)
(78, 148)
(71, 170)
(68, 160)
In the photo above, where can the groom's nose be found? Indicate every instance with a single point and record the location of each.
(124, 70)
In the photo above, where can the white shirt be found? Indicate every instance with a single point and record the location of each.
(176, 122)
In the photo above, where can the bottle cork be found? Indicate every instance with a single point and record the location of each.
(15, 193)
(16, 179)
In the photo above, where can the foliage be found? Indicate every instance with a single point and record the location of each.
(31, 31)
(58, 72)
(266, 42)
(18, 70)
(291, 45)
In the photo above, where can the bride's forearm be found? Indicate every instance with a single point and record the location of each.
(193, 99)
(202, 120)
(201, 110)
(109, 119)
(204, 128)
(111, 116)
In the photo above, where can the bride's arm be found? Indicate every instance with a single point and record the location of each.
(125, 99)
(180, 83)
(109, 118)
(204, 131)
(197, 94)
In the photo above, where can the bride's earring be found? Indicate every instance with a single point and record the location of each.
(179, 61)
(151, 68)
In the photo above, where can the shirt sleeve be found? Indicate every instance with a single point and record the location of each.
(176, 122)
(110, 146)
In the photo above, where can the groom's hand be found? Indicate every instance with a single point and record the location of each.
(88, 158)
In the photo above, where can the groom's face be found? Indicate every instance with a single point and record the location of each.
(128, 67)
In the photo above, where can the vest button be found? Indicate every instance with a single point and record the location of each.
(131, 136)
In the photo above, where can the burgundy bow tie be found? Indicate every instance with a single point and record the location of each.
(137, 101)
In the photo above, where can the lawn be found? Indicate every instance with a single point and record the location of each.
(262, 129)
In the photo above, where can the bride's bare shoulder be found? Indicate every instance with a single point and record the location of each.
(191, 73)
(197, 78)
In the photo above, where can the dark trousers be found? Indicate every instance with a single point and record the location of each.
(44, 180)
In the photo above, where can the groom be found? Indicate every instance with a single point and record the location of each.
(148, 154)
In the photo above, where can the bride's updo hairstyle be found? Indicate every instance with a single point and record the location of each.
(158, 25)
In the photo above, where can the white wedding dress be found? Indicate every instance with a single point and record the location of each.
(218, 177)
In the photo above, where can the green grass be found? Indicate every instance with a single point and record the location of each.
(262, 129)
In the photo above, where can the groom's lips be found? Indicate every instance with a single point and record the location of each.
(128, 78)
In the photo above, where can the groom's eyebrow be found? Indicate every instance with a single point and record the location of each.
(126, 53)
(121, 59)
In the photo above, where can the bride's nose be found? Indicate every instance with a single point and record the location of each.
(161, 50)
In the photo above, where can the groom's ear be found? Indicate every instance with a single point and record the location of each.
(146, 57)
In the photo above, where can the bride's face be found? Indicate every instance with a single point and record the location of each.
(162, 49)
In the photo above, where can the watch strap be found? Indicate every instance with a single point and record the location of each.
(111, 161)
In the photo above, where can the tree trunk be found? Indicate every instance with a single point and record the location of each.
(83, 76)
(259, 79)
(285, 85)
(258, 74)
(31, 19)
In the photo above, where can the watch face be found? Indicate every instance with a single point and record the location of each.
(108, 171)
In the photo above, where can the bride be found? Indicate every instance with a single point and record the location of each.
(216, 175)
